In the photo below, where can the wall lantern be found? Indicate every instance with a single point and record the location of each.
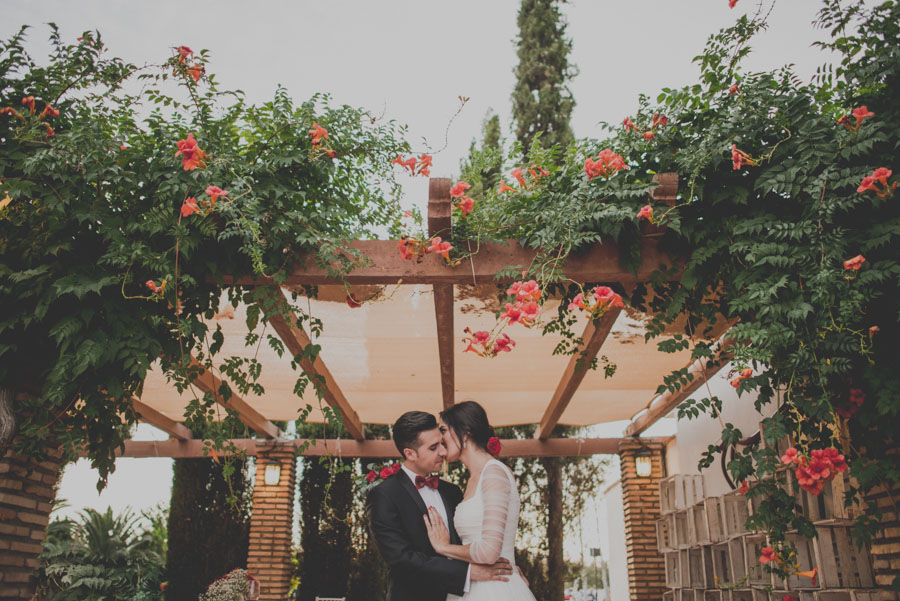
(643, 463)
(273, 473)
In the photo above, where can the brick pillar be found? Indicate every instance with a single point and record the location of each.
(27, 489)
(640, 498)
(886, 544)
(271, 520)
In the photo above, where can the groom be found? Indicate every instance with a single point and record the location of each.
(397, 506)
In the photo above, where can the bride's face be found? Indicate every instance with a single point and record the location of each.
(450, 442)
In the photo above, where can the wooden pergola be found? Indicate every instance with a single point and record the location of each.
(600, 264)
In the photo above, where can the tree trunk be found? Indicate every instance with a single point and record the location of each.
(7, 418)
(556, 567)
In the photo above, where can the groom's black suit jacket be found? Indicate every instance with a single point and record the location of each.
(396, 516)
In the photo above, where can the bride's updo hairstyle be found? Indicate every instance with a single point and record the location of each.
(468, 418)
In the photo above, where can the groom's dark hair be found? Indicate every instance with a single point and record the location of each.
(407, 428)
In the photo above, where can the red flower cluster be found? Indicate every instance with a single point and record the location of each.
(881, 176)
(464, 203)
(48, 111)
(646, 212)
(8, 110)
(29, 102)
(732, 3)
(505, 188)
(192, 156)
(214, 192)
(411, 248)
(385, 472)
(607, 164)
(420, 166)
(734, 89)
(156, 289)
(196, 71)
(494, 446)
(648, 135)
(599, 302)
(745, 373)
(317, 134)
(535, 171)
(822, 465)
(440, 248)
(857, 398)
(860, 114)
(855, 263)
(740, 158)
(189, 207)
(183, 53)
(489, 347)
(767, 554)
(524, 308)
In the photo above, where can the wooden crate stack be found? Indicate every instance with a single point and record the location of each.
(711, 556)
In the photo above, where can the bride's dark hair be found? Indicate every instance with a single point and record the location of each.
(468, 418)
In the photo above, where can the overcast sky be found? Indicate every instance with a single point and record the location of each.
(410, 60)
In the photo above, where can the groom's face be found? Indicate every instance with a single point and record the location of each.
(429, 457)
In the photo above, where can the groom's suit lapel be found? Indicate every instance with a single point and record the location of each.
(410, 488)
(450, 509)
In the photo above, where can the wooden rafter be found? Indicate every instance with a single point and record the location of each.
(166, 424)
(594, 336)
(383, 449)
(296, 339)
(209, 382)
(701, 370)
(597, 264)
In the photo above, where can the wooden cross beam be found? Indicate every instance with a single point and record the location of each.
(296, 339)
(594, 336)
(701, 370)
(599, 263)
(155, 418)
(377, 449)
(209, 382)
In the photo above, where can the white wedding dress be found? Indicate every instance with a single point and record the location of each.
(488, 522)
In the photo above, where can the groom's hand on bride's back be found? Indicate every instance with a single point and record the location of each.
(498, 571)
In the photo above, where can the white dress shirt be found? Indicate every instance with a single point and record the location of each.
(434, 499)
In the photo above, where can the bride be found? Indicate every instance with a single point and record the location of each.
(487, 517)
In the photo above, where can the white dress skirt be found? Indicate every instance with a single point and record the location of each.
(488, 522)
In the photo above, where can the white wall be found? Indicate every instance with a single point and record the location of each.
(616, 557)
(693, 436)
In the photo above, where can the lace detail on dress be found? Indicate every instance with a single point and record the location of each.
(495, 493)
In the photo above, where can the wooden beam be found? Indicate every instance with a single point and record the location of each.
(209, 382)
(378, 449)
(599, 263)
(443, 313)
(166, 424)
(439, 207)
(702, 370)
(594, 336)
(296, 339)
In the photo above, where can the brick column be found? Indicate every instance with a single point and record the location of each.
(27, 489)
(640, 498)
(886, 544)
(271, 520)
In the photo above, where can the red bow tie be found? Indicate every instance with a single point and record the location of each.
(430, 481)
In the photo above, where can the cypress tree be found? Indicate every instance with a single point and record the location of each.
(208, 536)
(482, 167)
(542, 105)
(542, 102)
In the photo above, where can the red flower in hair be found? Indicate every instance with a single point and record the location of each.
(493, 446)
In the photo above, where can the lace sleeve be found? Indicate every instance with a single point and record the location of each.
(495, 492)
